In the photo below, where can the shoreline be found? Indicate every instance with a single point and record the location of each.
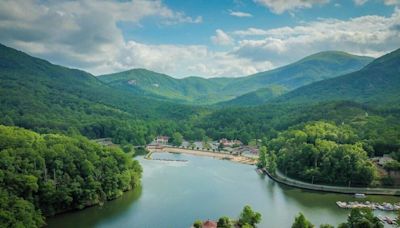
(282, 179)
(223, 156)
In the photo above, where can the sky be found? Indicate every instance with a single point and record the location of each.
(207, 38)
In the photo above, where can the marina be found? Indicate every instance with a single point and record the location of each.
(370, 205)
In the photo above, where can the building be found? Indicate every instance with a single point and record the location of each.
(209, 224)
(230, 143)
(161, 140)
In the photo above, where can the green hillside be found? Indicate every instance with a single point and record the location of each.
(313, 68)
(195, 90)
(257, 97)
(38, 95)
(42, 175)
(378, 82)
(148, 83)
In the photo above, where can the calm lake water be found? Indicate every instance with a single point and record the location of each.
(174, 194)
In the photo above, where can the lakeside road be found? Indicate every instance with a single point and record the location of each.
(281, 178)
(218, 155)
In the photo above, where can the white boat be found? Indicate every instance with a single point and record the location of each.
(359, 195)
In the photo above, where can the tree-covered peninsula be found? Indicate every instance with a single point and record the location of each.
(45, 174)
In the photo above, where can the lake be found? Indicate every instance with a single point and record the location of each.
(175, 194)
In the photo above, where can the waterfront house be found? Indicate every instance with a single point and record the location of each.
(209, 224)
(162, 140)
(230, 143)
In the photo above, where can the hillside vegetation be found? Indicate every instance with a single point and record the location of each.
(377, 83)
(42, 175)
(199, 91)
(44, 97)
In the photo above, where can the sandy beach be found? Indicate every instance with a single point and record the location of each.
(234, 158)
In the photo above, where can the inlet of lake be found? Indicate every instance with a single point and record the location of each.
(175, 194)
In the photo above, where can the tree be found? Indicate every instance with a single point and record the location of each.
(301, 222)
(127, 148)
(224, 222)
(326, 226)
(360, 218)
(220, 146)
(198, 224)
(52, 173)
(176, 139)
(308, 151)
(262, 158)
(250, 217)
(206, 143)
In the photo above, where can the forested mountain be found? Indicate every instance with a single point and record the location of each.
(257, 97)
(38, 95)
(310, 69)
(187, 90)
(195, 90)
(377, 83)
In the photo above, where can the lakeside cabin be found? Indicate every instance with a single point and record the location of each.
(209, 224)
(230, 143)
(163, 140)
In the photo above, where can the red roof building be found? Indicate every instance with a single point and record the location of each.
(209, 224)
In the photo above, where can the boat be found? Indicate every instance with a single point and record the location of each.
(381, 218)
(359, 195)
(389, 220)
(341, 204)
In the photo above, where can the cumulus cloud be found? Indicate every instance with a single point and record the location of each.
(186, 60)
(221, 38)
(386, 2)
(84, 34)
(366, 35)
(280, 6)
(239, 14)
(392, 2)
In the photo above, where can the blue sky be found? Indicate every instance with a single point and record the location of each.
(198, 37)
(217, 15)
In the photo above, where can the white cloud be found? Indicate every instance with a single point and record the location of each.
(360, 2)
(392, 2)
(184, 60)
(239, 14)
(366, 35)
(221, 38)
(84, 34)
(280, 6)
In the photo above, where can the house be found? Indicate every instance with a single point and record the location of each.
(161, 140)
(230, 143)
(209, 224)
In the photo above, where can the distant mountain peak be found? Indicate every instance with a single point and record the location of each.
(378, 83)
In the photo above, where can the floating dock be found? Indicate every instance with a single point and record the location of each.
(370, 205)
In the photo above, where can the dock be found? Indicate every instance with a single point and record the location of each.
(369, 205)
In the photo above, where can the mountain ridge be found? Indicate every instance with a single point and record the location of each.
(379, 81)
(197, 90)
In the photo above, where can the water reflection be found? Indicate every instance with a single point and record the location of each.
(175, 194)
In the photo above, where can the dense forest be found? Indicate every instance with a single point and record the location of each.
(323, 153)
(42, 175)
